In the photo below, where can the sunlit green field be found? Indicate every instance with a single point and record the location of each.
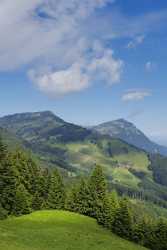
(85, 155)
(48, 230)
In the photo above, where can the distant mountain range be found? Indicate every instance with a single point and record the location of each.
(128, 132)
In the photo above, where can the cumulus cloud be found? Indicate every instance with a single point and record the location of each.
(135, 95)
(99, 66)
(62, 82)
(136, 41)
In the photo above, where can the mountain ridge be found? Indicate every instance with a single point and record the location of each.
(129, 133)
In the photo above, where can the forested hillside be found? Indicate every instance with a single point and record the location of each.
(26, 187)
(75, 151)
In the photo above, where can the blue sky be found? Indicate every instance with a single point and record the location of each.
(88, 62)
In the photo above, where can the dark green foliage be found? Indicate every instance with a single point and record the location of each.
(28, 170)
(98, 190)
(3, 213)
(79, 199)
(8, 183)
(159, 167)
(56, 192)
(160, 236)
(143, 232)
(122, 224)
(41, 193)
(22, 201)
(3, 151)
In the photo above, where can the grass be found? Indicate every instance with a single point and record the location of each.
(58, 230)
(124, 177)
(83, 156)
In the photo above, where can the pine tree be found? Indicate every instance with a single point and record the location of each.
(109, 209)
(122, 224)
(142, 231)
(42, 189)
(56, 193)
(22, 202)
(98, 189)
(160, 235)
(28, 170)
(8, 183)
(79, 199)
(3, 150)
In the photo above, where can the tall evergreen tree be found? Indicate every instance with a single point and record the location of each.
(79, 200)
(110, 206)
(98, 190)
(3, 150)
(8, 183)
(56, 193)
(22, 202)
(42, 189)
(122, 224)
(160, 236)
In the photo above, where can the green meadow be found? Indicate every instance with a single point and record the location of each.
(58, 230)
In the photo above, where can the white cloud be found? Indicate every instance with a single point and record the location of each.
(136, 41)
(62, 82)
(100, 66)
(49, 37)
(135, 95)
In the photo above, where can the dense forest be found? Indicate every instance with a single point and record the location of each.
(25, 187)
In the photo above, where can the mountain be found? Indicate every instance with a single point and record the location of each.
(128, 132)
(10, 139)
(42, 126)
(76, 150)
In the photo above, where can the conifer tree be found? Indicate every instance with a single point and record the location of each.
(79, 200)
(98, 190)
(3, 150)
(22, 202)
(122, 224)
(109, 209)
(160, 236)
(143, 232)
(42, 189)
(56, 193)
(8, 183)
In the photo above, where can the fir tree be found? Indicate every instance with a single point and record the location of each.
(56, 193)
(98, 189)
(109, 209)
(8, 183)
(3, 150)
(22, 202)
(79, 200)
(160, 235)
(122, 224)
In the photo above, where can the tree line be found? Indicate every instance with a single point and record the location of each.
(25, 187)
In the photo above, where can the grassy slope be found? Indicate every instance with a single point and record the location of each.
(58, 230)
(83, 157)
